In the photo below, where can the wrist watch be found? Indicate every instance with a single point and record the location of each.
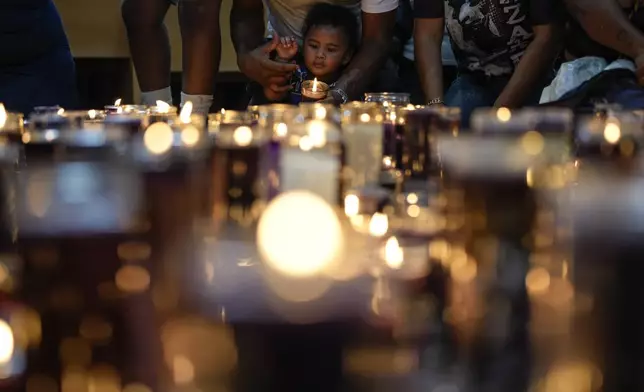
(343, 95)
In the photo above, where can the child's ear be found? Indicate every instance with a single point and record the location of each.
(347, 57)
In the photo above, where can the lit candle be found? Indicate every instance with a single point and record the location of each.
(314, 90)
(11, 125)
(114, 108)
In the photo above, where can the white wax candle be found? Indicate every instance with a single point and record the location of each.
(315, 171)
(363, 152)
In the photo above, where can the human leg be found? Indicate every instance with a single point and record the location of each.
(149, 47)
(201, 40)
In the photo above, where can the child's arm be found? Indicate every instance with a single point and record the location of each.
(286, 49)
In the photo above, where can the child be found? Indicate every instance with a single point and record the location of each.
(330, 38)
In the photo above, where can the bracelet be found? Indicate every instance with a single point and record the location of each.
(343, 96)
(435, 101)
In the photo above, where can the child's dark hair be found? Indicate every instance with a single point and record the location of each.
(324, 14)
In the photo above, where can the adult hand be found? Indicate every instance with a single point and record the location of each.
(639, 63)
(257, 65)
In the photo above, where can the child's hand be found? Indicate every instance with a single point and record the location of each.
(287, 48)
(272, 95)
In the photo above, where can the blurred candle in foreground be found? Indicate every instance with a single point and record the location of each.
(311, 159)
(363, 135)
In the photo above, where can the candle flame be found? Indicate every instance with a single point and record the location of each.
(60, 111)
(118, 102)
(92, 114)
(315, 85)
(163, 107)
(3, 115)
(186, 112)
(393, 253)
(378, 225)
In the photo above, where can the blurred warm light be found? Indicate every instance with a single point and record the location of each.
(4, 274)
(612, 132)
(27, 327)
(412, 198)
(50, 135)
(537, 281)
(183, 371)
(378, 225)
(351, 205)
(532, 143)
(91, 114)
(387, 162)
(463, 270)
(6, 342)
(573, 376)
(118, 102)
(306, 144)
(280, 129)
(26, 137)
(186, 113)
(60, 111)
(243, 136)
(134, 251)
(163, 107)
(320, 113)
(439, 250)
(132, 279)
(3, 115)
(136, 387)
(503, 114)
(529, 177)
(299, 234)
(104, 378)
(158, 138)
(413, 211)
(74, 379)
(394, 255)
(317, 133)
(299, 289)
(364, 117)
(190, 136)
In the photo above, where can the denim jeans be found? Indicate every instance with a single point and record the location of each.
(46, 81)
(470, 92)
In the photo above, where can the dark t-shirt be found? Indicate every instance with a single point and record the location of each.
(29, 29)
(488, 36)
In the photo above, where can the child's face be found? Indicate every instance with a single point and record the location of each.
(325, 50)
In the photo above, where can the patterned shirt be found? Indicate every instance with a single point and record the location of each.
(489, 36)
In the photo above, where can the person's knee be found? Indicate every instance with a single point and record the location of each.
(199, 13)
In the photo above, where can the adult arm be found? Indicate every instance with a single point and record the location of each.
(538, 57)
(429, 29)
(378, 20)
(605, 22)
(247, 32)
(428, 42)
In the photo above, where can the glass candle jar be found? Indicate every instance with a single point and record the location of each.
(384, 98)
(314, 90)
(362, 126)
